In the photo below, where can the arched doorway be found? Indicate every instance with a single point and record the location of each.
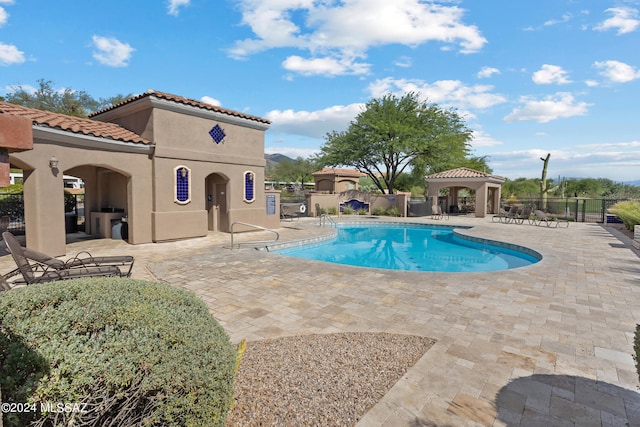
(217, 202)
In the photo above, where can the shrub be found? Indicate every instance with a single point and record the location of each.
(362, 211)
(379, 211)
(135, 353)
(332, 210)
(628, 212)
(393, 211)
(347, 210)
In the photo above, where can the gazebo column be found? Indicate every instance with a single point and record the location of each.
(434, 192)
(481, 200)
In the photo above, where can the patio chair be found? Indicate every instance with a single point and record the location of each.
(48, 269)
(549, 220)
(506, 217)
(439, 213)
(524, 215)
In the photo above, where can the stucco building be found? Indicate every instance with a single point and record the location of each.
(174, 167)
(335, 180)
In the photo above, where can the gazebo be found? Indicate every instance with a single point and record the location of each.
(487, 188)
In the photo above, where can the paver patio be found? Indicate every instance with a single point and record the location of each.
(550, 344)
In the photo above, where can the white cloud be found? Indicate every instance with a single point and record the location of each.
(591, 83)
(112, 52)
(10, 54)
(624, 19)
(324, 66)
(482, 139)
(447, 93)
(565, 18)
(347, 29)
(552, 107)
(403, 62)
(550, 74)
(616, 71)
(314, 124)
(487, 72)
(4, 16)
(174, 6)
(210, 100)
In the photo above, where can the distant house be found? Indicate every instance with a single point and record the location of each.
(174, 167)
(335, 180)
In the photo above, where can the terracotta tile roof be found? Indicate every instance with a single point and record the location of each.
(462, 173)
(342, 172)
(185, 101)
(73, 124)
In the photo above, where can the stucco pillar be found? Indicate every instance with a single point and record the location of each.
(139, 208)
(481, 201)
(44, 211)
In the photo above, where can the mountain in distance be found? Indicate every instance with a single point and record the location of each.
(274, 159)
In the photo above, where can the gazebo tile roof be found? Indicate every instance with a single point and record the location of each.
(462, 173)
(73, 124)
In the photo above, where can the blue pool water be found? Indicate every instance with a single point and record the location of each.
(412, 248)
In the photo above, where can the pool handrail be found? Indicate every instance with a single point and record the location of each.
(328, 218)
(256, 227)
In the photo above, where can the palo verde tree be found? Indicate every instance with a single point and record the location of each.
(391, 134)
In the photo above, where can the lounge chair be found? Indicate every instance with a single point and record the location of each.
(549, 220)
(48, 269)
(524, 215)
(506, 217)
(439, 213)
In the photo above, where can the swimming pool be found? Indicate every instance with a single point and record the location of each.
(414, 248)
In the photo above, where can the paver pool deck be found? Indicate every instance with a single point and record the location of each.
(550, 344)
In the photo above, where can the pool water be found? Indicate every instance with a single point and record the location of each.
(412, 248)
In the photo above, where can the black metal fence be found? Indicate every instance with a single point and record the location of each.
(574, 208)
(12, 205)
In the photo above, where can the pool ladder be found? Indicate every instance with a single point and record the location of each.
(257, 227)
(324, 218)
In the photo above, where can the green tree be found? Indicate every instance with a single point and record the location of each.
(391, 134)
(298, 170)
(45, 97)
(113, 100)
(521, 187)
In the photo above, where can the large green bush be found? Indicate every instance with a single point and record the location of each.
(628, 212)
(129, 352)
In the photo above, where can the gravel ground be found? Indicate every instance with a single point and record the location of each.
(320, 380)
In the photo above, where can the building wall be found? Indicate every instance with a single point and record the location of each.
(44, 190)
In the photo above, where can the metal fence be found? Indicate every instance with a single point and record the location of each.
(575, 208)
(12, 205)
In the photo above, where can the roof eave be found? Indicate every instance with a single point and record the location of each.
(89, 141)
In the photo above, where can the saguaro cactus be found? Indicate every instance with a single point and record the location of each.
(544, 185)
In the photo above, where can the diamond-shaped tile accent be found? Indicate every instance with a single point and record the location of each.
(217, 134)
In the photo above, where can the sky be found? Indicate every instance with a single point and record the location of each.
(529, 77)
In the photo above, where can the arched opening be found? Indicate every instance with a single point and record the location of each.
(216, 196)
(102, 204)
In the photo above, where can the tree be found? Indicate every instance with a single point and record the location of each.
(298, 170)
(391, 134)
(45, 97)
